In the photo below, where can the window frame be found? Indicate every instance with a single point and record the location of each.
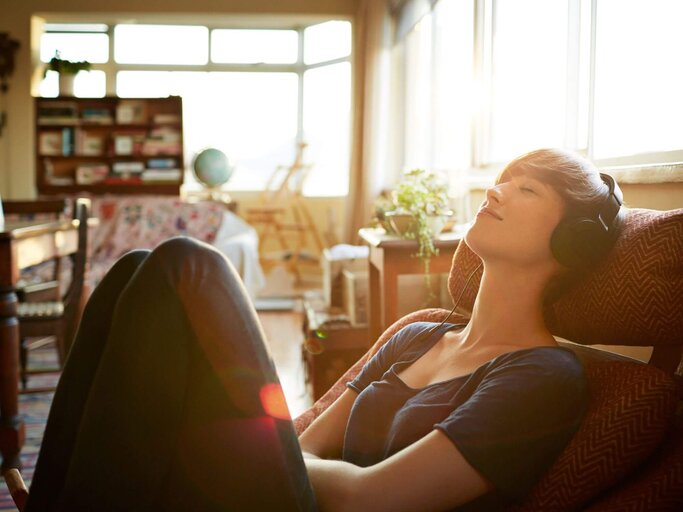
(580, 95)
(111, 67)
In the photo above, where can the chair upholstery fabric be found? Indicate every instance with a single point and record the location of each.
(631, 410)
(638, 289)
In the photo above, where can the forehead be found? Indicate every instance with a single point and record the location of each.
(543, 178)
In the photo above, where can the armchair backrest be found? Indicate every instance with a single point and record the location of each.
(634, 297)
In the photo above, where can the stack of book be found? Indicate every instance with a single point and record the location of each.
(162, 170)
(93, 115)
(58, 112)
(125, 172)
(162, 141)
(89, 174)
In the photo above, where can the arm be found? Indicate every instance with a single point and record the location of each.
(324, 438)
(430, 474)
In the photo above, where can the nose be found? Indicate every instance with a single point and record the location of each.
(494, 194)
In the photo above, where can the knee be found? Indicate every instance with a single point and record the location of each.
(184, 253)
(129, 262)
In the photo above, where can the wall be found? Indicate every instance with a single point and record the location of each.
(17, 144)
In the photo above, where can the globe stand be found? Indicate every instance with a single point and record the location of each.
(216, 194)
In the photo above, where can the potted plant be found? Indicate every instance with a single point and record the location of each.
(67, 72)
(421, 210)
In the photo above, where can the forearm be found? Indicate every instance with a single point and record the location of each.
(335, 483)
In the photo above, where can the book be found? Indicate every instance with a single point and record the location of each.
(165, 175)
(97, 116)
(68, 142)
(161, 163)
(50, 143)
(90, 144)
(88, 174)
(131, 112)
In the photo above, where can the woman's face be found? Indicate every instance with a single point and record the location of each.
(515, 222)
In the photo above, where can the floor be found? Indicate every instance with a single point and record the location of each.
(283, 331)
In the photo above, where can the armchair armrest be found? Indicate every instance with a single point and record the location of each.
(17, 488)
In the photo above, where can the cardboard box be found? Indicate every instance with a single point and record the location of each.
(333, 264)
(355, 296)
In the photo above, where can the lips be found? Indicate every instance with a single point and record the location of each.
(485, 210)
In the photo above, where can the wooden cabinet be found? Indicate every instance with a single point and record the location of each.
(109, 145)
(331, 344)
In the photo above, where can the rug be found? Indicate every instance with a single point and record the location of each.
(34, 409)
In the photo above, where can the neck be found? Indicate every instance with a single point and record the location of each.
(508, 309)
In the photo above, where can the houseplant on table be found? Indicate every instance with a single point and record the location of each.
(421, 209)
(67, 72)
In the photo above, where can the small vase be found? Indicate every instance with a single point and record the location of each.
(66, 84)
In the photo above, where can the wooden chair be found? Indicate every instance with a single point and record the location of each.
(35, 209)
(43, 314)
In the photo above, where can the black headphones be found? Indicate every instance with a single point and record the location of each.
(580, 242)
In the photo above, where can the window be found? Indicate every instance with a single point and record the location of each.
(161, 44)
(638, 102)
(252, 93)
(487, 80)
(529, 77)
(254, 46)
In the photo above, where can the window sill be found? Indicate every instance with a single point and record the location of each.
(642, 174)
(647, 174)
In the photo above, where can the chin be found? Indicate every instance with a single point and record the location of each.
(475, 238)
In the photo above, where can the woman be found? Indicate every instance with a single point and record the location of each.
(166, 400)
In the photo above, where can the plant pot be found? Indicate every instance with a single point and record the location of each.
(401, 223)
(66, 84)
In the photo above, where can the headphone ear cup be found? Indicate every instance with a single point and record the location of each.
(578, 243)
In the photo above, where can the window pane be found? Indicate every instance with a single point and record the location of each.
(327, 128)
(529, 77)
(638, 101)
(327, 41)
(161, 44)
(254, 46)
(418, 106)
(88, 84)
(75, 47)
(251, 117)
(453, 84)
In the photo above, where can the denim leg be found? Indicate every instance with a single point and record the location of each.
(74, 384)
(177, 417)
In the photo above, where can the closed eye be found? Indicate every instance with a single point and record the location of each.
(527, 189)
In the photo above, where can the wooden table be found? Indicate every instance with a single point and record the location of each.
(22, 244)
(391, 256)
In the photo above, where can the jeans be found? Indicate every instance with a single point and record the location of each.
(163, 403)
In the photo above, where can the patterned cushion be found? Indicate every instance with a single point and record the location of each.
(638, 289)
(632, 408)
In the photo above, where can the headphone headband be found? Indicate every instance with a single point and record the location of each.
(611, 206)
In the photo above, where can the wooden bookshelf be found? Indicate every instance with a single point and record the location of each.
(109, 145)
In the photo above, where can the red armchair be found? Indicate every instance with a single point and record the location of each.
(628, 454)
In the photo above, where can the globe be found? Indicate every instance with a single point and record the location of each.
(211, 167)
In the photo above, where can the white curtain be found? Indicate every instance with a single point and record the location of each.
(369, 173)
